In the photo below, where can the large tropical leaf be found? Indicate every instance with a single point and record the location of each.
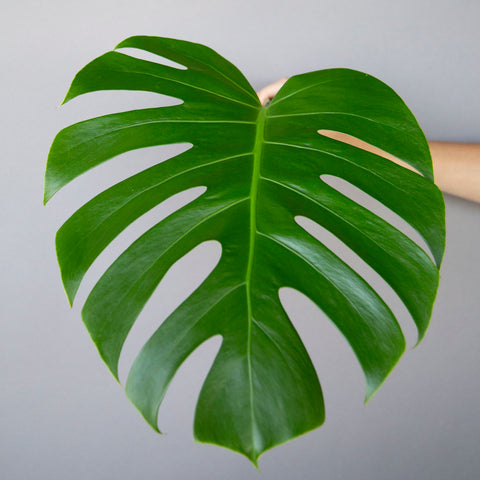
(262, 168)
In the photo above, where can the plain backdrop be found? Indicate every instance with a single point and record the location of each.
(62, 415)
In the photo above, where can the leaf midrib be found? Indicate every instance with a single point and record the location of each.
(257, 156)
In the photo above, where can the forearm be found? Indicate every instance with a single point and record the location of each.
(456, 167)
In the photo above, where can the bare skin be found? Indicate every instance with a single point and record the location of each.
(456, 166)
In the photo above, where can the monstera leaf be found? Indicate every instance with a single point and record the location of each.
(262, 169)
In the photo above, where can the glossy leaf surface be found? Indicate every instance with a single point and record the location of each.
(261, 167)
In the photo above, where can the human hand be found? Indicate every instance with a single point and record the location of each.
(268, 92)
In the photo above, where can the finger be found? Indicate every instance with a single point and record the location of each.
(268, 92)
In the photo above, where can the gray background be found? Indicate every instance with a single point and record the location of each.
(62, 416)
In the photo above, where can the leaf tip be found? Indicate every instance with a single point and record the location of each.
(65, 100)
(127, 42)
(71, 91)
(69, 299)
(419, 338)
(70, 286)
(47, 188)
(47, 194)
(371, 392)
(251, 454)
(254, 462)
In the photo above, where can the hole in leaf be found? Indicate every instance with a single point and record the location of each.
(181, 280)
(356, 142)
(177, 411)
(151, 57)
(337, 367)
(384, 290)
(376, 207)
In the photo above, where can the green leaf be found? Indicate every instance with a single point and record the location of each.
(261, 167)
